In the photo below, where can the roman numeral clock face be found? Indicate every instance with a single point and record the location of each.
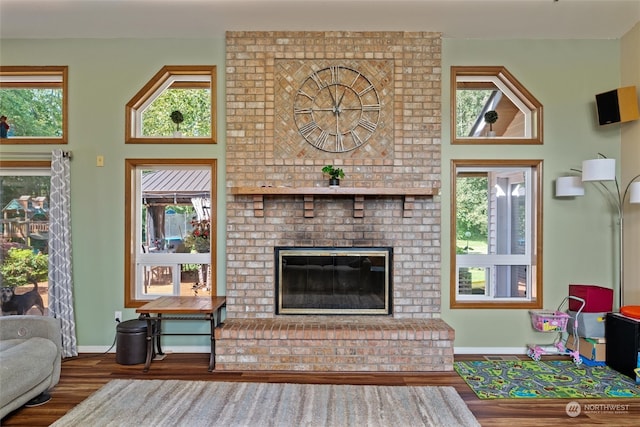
(337, 109)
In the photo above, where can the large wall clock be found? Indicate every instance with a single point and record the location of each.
(337, 109)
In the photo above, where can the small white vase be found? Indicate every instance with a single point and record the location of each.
(177, 134)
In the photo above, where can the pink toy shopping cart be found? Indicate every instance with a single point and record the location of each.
(555, 321)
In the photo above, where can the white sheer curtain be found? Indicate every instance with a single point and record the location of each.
(60, 277)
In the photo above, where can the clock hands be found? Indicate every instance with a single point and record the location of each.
(336, 104)
(333, 99)
(338, 110)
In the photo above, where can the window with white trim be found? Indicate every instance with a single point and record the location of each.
(496, 241)
(170, 229)
(490, 106)
(24, 232)
(33, 104)
(178, 105)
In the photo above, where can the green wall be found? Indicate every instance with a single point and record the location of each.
(578, 234)
(105, 74)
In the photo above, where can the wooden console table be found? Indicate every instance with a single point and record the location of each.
(180, 308)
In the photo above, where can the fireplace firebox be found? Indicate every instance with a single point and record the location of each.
(323, 280)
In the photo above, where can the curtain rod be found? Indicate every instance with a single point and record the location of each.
(6, 154)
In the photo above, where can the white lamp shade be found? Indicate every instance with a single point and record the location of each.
(635, 193)
(567, 186)
(599, 170)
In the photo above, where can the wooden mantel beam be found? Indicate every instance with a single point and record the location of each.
(408, 194)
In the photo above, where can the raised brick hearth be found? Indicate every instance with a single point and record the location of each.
(264, 151)
(345, 344)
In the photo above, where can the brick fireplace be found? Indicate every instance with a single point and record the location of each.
(277, 197)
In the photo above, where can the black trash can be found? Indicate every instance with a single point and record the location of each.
(131, 342)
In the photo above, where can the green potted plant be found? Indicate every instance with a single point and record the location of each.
(334, 175)
(491, 117)
(177, 118)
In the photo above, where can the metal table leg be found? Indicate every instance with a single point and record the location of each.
(147, 362)
(159, 334)
(212, 355)
(216, 316)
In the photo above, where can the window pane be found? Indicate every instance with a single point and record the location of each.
(491, 212)
(472, 280)
(33, 103)
(193, 104)
(166, 229)
(32, 112)
(511, 281)
(173, 230)
(472, 105)
(158, 280)
(175, 279)
(472, 213)
(518, 218)
(195, 279)
(507, 227)
(175, 210)
(24, 262)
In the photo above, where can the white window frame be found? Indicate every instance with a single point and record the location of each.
(146, 260)
(527, 112)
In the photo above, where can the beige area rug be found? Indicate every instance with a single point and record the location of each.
(141, 403)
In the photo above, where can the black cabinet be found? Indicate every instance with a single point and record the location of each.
(623, 343)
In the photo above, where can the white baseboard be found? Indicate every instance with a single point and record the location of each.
(168, 349)
(206, 349)
(490, 350)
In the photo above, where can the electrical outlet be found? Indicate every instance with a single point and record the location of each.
(118, 316)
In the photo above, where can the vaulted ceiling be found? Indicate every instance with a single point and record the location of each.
(548, 19)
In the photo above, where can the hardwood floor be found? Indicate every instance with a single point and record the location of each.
(86, 374)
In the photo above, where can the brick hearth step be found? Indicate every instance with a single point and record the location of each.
(345, 344)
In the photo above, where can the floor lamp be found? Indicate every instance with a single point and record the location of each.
(600, 171)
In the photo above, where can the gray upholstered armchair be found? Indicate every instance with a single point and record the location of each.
(30, 359)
